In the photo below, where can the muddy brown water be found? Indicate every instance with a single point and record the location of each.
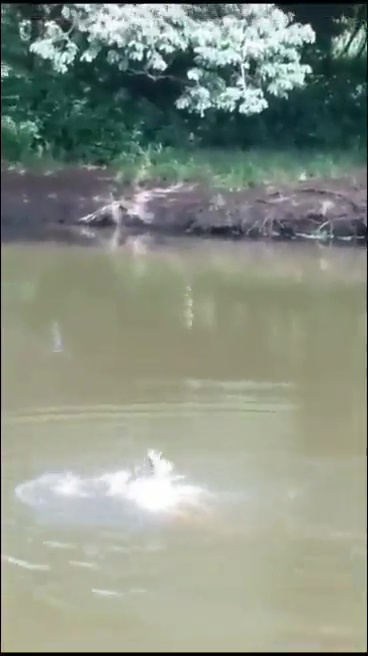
(246, 365)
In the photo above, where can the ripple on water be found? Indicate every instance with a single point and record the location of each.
(95, 536)
(179, 400)
(18, 562)
(98, 545)
(75, 573)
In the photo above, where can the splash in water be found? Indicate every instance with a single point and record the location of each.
(152, 486)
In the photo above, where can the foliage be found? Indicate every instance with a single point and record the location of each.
(236, 61)
(89, 83)
(330, 22)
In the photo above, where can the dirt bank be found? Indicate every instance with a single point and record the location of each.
(310, 209)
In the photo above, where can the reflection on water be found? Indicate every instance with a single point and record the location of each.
(246, 366)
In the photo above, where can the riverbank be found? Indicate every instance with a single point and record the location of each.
(283, 202)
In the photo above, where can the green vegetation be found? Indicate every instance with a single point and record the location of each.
(235, 92)
(230, 169)
(234, 169)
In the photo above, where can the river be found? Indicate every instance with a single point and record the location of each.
(246, 366)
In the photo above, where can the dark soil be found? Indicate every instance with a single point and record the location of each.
(315, 209)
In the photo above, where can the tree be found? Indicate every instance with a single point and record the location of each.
(94, 81)
(237, 59)
(331, 21)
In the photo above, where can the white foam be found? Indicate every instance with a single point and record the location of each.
(115, 593)
(158, 494)
(70, 486)
(24, 563)
(153, 487)
(54, 544)
(108, 593)
(83, 563)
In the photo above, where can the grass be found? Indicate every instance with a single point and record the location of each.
(235, 169)
(231, 169)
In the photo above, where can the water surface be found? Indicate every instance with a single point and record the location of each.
(246, 365)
